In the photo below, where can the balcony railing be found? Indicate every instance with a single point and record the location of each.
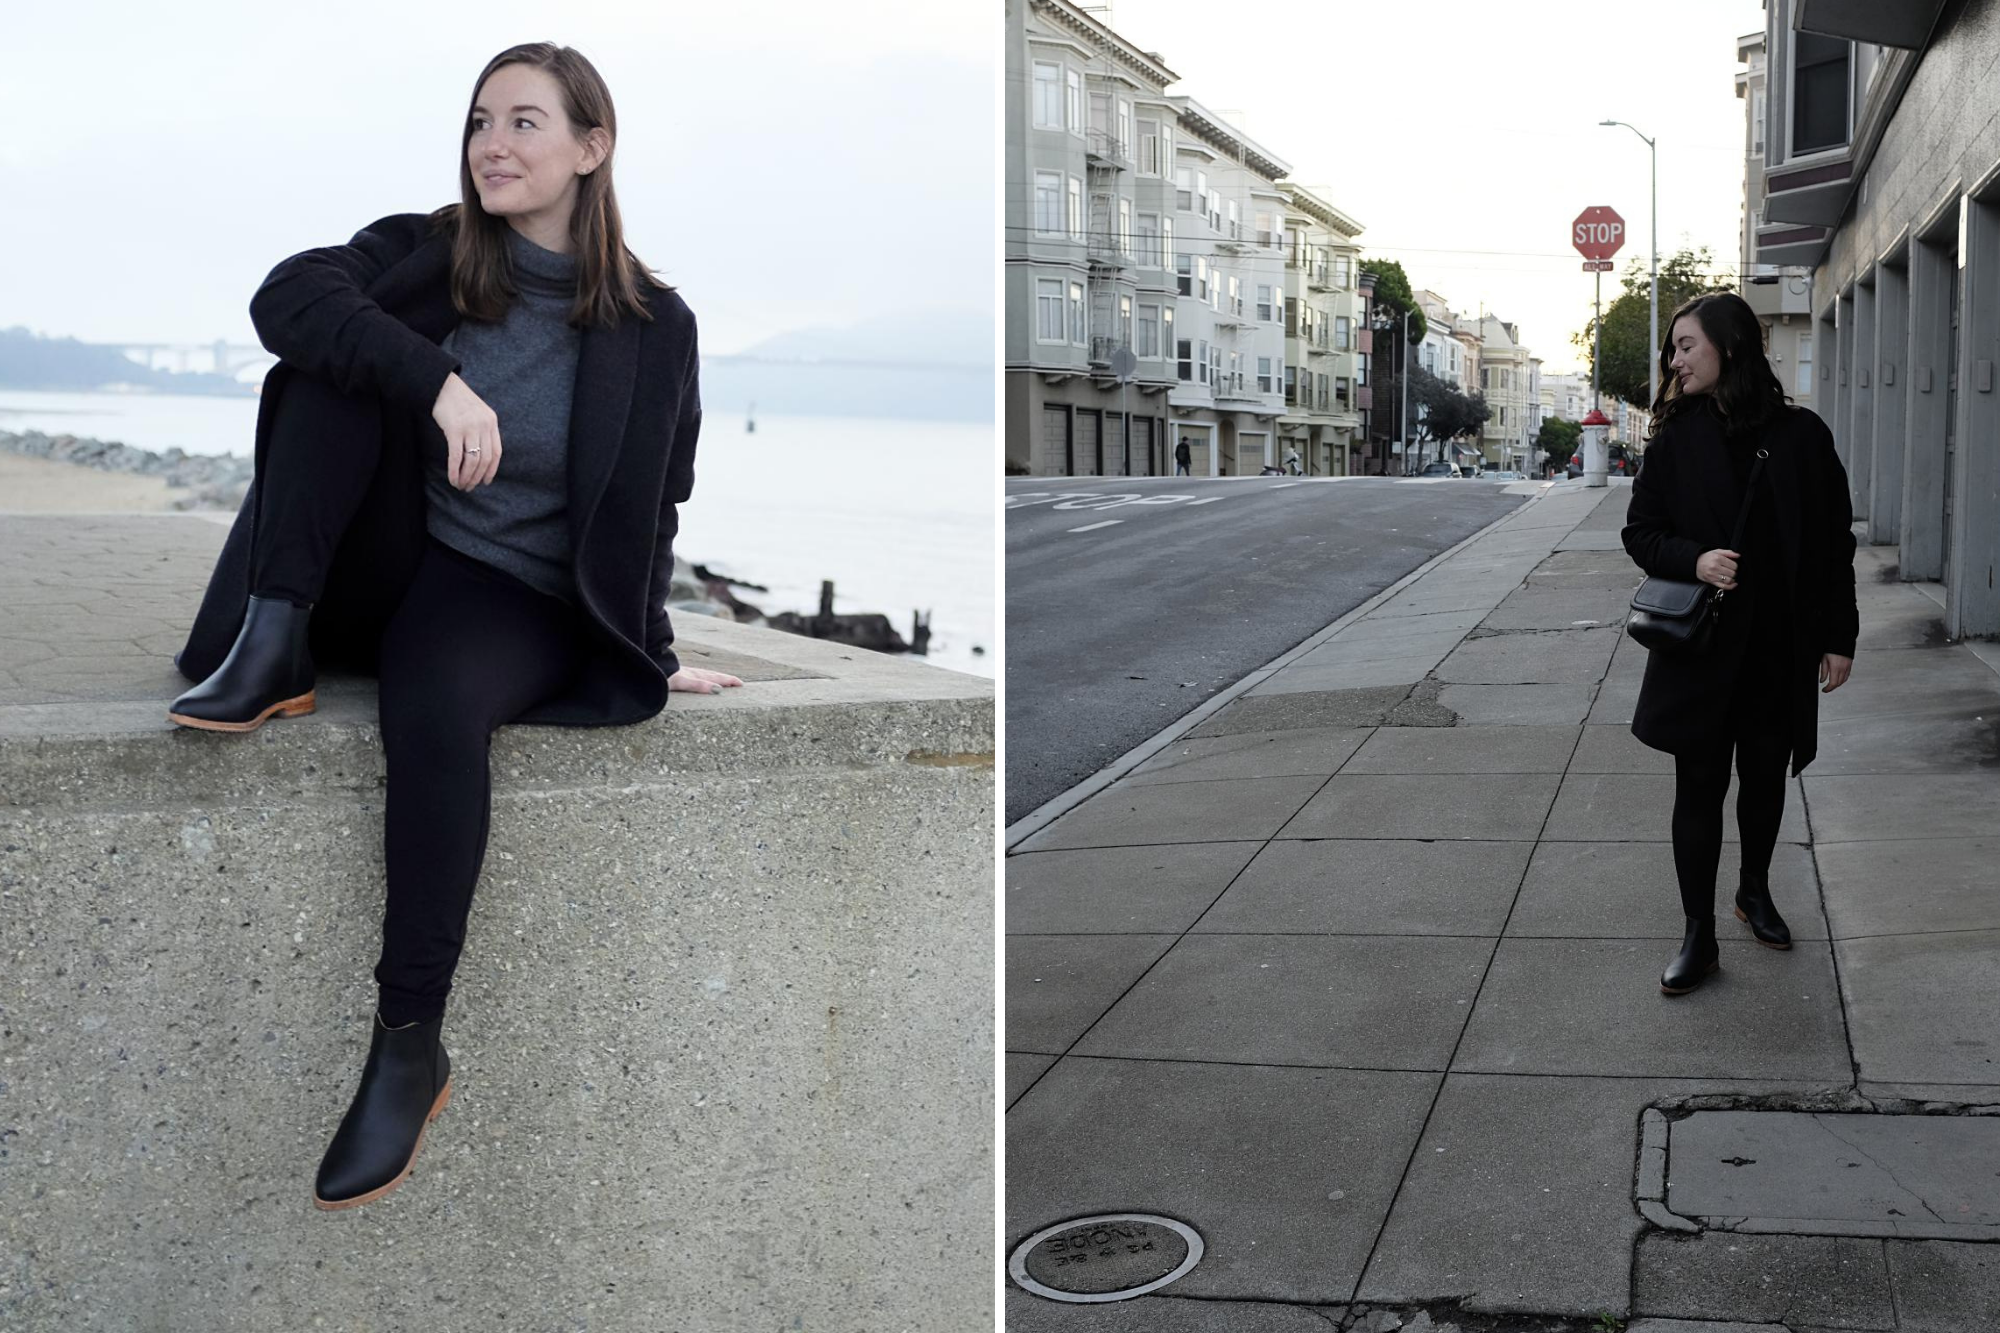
(1101, 148)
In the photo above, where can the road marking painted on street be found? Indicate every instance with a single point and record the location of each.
(1283, 485)
(1206, 500)
(1092, 527)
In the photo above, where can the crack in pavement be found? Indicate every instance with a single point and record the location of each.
(1921, 1201)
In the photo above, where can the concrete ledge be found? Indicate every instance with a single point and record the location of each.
(722, 1033)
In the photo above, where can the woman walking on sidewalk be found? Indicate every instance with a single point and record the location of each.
(1723, 424)
(383, 532)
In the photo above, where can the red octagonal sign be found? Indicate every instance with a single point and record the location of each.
(1597, 233)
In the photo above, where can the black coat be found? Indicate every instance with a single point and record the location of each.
(1684, 502)
(367, 317)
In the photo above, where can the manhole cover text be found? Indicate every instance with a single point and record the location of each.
(1107, 1258)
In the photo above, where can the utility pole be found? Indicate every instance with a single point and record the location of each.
(1653, 302)
(1403, 413)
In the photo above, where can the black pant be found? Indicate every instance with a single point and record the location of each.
(460, 649)
(1761, 749)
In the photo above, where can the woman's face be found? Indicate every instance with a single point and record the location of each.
(1696, 362)
(526, 162)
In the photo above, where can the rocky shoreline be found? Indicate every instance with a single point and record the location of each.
(213, 481)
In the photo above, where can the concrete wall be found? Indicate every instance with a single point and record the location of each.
(722, 1034)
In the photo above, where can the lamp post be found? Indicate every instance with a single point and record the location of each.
(1403, 411)
(1653, 353)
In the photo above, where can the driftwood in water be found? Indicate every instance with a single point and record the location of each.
(867, 630)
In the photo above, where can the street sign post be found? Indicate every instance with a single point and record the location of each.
(1598, 233)
(1124, 365)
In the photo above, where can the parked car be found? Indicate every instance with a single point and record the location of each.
(1623, 462)
(1441, 470)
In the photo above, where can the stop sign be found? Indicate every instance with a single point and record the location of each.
(1597, 233)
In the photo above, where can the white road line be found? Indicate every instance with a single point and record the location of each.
(1092, 527)
(1283, 485)
(1208, 500)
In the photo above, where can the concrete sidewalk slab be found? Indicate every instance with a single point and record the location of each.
(1519, 705)
(1612, 748)
(1910, 886)
(1373, 887)
(1120, 890)
(1448, 805)
(1559, 657)
(1860, 808)
(1303, 752)
(1532, 607)
(1023, 1068)
(1464, 749)
(1637, 807)
(1027, 1313)
(1345, 707)
(1629, 890)
(1944, 1286)
(1380, 1002)
(1832, 1282)
(1098, 1136)
(1058, 985)
(1925, 1008)
(1228, 811)
(1519, 1195)
(1765, 1014)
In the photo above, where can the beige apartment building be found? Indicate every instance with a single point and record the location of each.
(1506, 378)
(1321, 424)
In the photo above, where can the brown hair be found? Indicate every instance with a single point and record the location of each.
(608, 276)
(1747, 391)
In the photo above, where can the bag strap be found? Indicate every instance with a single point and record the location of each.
(1749, 490)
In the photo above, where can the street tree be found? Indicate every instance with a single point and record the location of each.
(1446, 413)
(1625, 370)
(1393, 296)
(1558, 440)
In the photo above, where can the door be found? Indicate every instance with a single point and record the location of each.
(1055, 442)
(1950, 416)
(1083, 462)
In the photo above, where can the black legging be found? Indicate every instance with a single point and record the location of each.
(1700, 783)
(460, 649)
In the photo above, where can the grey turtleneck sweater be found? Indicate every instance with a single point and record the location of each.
(524, 367)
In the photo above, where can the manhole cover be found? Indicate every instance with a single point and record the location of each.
(1113, 1257)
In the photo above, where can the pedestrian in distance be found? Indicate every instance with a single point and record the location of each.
(1788, 620)
(385, 531)
(1292, 461)
(1183, 456)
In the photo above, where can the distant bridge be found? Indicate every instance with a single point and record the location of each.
(222, 357)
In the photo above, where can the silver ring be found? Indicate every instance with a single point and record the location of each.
(470, 450)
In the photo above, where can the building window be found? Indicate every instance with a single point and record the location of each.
(1503, 418)
(1149, 148)
(1235, 231)
(1342, 270)
(1757, 122)
(1149, 331)
(1184, 270)
(1482, 378)
(1235, 295)
(1166, 243)
(1167, 326)
(1048, 203)
(1215, 380)
(1820, 79)
(1048, 310)
(1201, 369)
(1048, 96)
(1321, 402)
(1291, 385)
(1125, 321)
(1124, 128)
(1148, 231)
(1805, 379)
(1264, 302)
(1202, 286)
(1125, 227)
(1078, 331)
(1264, 375)
(1073, 103)
(1075, 209)
(1184, 189)
(1184, 360)
(1342, 332)
(1235, 381)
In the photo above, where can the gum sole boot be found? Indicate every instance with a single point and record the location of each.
(1699, 956)
(404, 1086)
(1755, 909)
(268, 671)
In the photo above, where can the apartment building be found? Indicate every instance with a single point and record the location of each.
(1321, 421)
(1506, 380)
(1229, 329)
(1450, 348)
(1780, 294)
(1882, 177)
(1090, 247)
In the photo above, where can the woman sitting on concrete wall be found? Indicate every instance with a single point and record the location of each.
(384, 534)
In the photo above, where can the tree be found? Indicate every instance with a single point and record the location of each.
(1627, 364)
(1446, 413)
(1558, 440)
(1393, 296)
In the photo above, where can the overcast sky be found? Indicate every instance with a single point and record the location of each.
(1463, 134)
(783, 162)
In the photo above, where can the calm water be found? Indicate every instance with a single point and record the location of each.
(899, 514)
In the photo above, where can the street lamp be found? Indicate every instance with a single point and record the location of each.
(1653, 353)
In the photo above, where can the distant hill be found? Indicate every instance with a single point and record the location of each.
(31, 361)
(923, 337)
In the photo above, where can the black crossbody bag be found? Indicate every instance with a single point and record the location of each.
(1678, 616)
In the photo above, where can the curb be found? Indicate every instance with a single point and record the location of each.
(1057, 806)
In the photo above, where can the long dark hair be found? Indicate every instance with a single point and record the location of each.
(1747, 391)
(608, 276)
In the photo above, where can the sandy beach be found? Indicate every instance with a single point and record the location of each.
(46, 486)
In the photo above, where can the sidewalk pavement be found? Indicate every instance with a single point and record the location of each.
(1359, 976)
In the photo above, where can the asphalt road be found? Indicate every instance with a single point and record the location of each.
(1131, 601)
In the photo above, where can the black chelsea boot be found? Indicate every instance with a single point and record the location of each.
(404, 1086)
(1699, 956)
(269, 670)
(1755, 908)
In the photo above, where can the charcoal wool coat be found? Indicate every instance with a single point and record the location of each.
(1684, 502)
(368, 318)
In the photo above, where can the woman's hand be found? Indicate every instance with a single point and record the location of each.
(471, 434)
(700, 680)
(1717, 567)
(1833, 669)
